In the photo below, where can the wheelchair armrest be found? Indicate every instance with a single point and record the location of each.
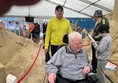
(92, 78)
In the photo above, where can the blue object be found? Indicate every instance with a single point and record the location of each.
(87, 23)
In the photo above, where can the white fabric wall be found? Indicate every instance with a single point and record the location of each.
(43, 8)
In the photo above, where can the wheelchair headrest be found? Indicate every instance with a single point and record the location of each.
(65, 38)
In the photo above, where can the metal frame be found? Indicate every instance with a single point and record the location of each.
(71, 9)
(85, 1)
(96, 5)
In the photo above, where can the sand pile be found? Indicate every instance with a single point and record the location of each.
(114, 54)
(17, 55)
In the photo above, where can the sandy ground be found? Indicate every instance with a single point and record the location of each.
(17, 55)
(114, 54)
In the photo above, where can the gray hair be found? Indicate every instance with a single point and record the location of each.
(74, 35)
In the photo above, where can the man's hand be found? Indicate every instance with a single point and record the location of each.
(92, 41)
(86, 70)
(45, 50)
(52, 77)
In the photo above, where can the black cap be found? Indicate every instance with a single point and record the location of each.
(98, 13)
(103, 28)
(58, 7)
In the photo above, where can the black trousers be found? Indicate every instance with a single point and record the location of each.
(47, 58)
(64, 80)
(47, 55)
(54, 48)
(94, 59)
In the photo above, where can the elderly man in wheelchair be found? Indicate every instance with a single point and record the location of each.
(70, 64)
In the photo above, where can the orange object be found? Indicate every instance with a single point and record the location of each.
(31, 27)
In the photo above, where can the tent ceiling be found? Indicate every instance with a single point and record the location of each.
(87, 7)
(96, 5)
(72, 8)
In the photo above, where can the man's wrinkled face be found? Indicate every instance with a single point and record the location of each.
(76, 45)
(59, 13)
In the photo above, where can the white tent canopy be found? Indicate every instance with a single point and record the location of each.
(72, 8)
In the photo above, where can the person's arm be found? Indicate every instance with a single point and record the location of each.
(52, 66)
(102, 45)
(48, 35)
(54, 63)
(87, 68)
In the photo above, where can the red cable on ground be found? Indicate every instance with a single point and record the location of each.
(30, 66)
(86, 45)
(113, 63)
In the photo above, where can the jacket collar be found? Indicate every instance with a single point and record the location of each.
(60, 20)
(105, 34)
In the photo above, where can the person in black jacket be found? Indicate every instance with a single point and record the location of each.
(100, 19)
(35, 33)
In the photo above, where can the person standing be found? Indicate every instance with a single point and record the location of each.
(57, 27)
(35, 33)
(31, 27)
(24, 31)
(100, 19)
(103, 50)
